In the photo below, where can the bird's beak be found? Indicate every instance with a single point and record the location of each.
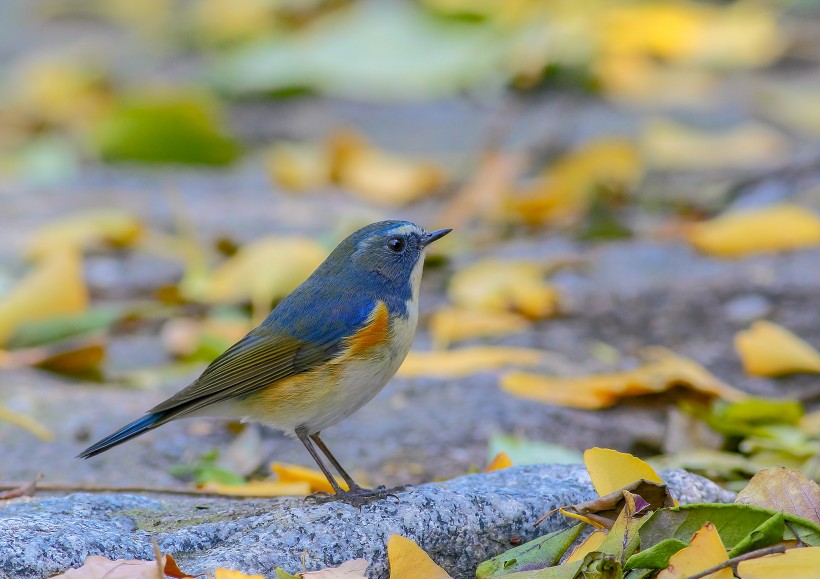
(431, 236)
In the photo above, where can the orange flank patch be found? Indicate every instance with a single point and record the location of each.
(374, 334)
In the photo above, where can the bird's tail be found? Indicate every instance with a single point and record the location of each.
(127, 432)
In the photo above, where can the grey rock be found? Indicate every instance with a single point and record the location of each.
(459, 523)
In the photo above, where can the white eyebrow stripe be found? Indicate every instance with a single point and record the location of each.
(405, 229)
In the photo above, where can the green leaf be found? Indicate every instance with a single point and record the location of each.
(282, 574)
(522, 451)
(32, 334)
(166, 129)
(734, 523)
(655, 557)
(623, 539)
(744, 417)
(539, 553)
(767, 533)
(595, 565)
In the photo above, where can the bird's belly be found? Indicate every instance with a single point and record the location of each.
(321, 397)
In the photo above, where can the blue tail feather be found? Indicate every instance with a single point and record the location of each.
(125, 433)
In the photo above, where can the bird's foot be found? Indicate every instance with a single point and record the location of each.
(358, 496)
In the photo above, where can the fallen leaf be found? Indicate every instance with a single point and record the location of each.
(603, 511)
(40, 431)
(449, 325)
(783, 489)
(93, 229)
(467, 361)
(265, 270)
(54, 287)
(75, 358)
(663, 371)
(537, 554)
(622, 539)
(670, 146)
(655, 557)
(348, 570)
(793, 106)
(173, 570)
(774, 228)
(523, 451)
(793, 564)
(569, 185)
(705, 550)
(500, 461)
(380, 177)
(409, 561)
(259, 488)
(294, 473)
(611, 470)
(590, 544)
(299, 166)
(97, 567)
(24, 490)
(501, 286)
(767, 349)
(223, 573)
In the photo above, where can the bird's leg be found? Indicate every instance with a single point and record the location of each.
(348, 479)
(303, 436)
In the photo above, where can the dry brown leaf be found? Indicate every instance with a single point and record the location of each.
(775, 228)
(259, 488)
(450, 325)
(793, 564)
(93, 229)
(467, 361)
(704, 551)
(299, 166)
(501, 461)
(348, 570)
(499, 286)
(294, 473)
(54, 287)
(783, 489)
(74, 357)
(97, 567)
(381, 177)
(663, 371)
(767, 349)
(671, 146)
(563, 194)
(409, 561)
(603, 511)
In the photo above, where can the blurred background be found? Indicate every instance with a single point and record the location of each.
(620, 175)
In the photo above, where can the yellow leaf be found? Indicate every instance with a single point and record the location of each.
(793, 564)
(775, 228)
(793, 106)
(299, 167)
(671, 146)
(55, 287)
(767, 349)
(467, 361)
(449, 325)
(381, 177)
(348, 570)
(704, 551)
(37, 429)
(611, 470)
(495, 285)
(294, 473)
(223, 573)
(409, 561)
(263, 271)
(568, 186)
(227, 21)
(91, 229)
(663, 371)
(589, 545)
(501, 460)
(260, 488)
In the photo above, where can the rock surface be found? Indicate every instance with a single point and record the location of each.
(459, 523)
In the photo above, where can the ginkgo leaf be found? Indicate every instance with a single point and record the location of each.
(449, 325)
(91, 229)
(259, 488)
(299, 166)
(55, 287)
(775, 228)
(294, 473)
(792, 564)
(704, 551)
(611, 470)
(467, 361)
(783, 489)
(500, 461)
(409, 561)
(39, 430)
(223, 573)
(348, 570)
(767, 349)
(663, 371)
(590, 544)
(496, 285)
(604, 511)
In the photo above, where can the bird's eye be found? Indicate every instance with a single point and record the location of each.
(396, 244)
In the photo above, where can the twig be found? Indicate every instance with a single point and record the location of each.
(89, 488)
(739, 559)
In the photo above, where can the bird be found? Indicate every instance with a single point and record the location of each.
(322, 353)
